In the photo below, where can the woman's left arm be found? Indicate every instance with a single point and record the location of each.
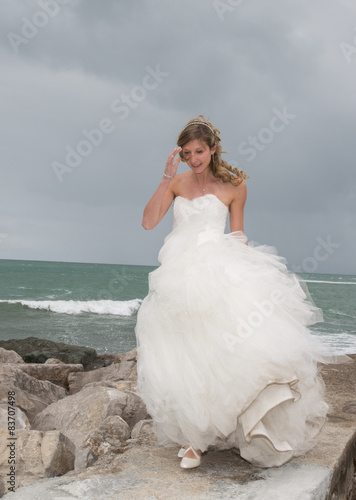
(237, 208)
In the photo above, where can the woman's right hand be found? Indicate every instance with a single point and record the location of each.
(171, 165)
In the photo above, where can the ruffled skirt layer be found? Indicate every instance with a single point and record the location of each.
(225, 356)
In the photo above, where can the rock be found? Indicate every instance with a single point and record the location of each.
(56, 373)
(38, 455)
(109, 436)
(54, 361)
(126, 370)
(78, 416)
(31, 395)
(84, 457)
(134, 410)
(58, 453)
(125, 385)
(143, 430)
(118, 358)
(109, 359)
(121, 385)
(129, 356)
(6, 416)
(36, 350)
(9, 356)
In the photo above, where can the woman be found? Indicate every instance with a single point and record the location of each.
(225, 358)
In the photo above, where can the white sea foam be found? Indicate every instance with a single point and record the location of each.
(113, 307)
(342, 313)
(343, 342)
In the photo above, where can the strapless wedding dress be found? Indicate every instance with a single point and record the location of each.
(225, 356)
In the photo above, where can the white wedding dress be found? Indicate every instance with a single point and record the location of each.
(225, 358)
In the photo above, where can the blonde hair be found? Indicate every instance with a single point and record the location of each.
(199, 128)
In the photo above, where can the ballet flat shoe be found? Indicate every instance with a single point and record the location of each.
(190, 463)
(181, 452)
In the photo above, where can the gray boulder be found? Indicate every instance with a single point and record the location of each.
(125, 370)
(38, 455)
(20, 419)
(80, 415)
(9, 356)
(31, 395)
(36, 350)
(57, 373)
(54, 361)
(109, 436)
(143, 432)
(129, 355)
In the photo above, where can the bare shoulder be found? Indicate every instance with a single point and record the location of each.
(239, 193)
(179, 181)
(183, 176)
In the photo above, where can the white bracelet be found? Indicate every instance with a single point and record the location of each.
(166, 175)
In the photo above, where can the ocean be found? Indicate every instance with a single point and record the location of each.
(96, 305)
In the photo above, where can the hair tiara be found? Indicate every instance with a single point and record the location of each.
(198, 123)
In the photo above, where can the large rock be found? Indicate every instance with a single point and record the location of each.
(37, 454)
(57, 373)
(54, 361)
(36, 350)
(126, 370)
(109, 436)
(80, 415)
(9, 356)
(31, 395)
(134, 410)
(129, 356)
(13, 416)
(121, 385)
(143, 432)
(108, 358)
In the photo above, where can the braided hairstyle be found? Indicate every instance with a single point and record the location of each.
(199, 128)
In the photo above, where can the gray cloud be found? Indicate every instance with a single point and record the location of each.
(262, 59)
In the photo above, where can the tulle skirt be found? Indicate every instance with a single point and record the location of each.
(225, 356)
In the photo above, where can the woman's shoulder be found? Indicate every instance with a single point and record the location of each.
(235, 194)
(183, 175)
(239, 192)
(241, 187)
(180, 179)
(236, 190)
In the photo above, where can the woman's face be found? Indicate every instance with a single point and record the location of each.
(197, 155)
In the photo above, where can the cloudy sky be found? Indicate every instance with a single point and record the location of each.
(94, 94)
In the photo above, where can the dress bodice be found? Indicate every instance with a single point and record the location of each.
(195, 221)
(206, 212)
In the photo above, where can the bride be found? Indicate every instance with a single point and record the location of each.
(225, 356)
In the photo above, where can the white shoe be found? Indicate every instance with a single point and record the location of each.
(190, 463)
(181, 452)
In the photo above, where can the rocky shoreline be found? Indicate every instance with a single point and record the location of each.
(70, 406)
(73, 411)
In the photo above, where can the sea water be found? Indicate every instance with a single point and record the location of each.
(96, 305)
